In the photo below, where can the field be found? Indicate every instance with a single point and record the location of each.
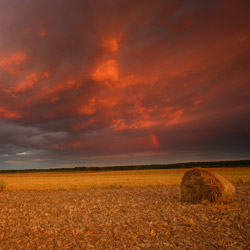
(123, 210)
(108, 179)
(124, 218)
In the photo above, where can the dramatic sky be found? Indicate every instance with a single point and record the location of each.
(114, 82)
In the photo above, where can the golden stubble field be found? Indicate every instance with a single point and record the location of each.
(108, 179)
(124, 210)
(141, 218)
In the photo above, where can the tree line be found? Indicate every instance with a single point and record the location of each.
(212, 164)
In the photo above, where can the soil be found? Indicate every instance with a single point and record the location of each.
(125, 218)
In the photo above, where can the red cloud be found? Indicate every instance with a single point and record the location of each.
(6, 113)
(106, 72)
(12, 63)
(43, 33)
(111, 44)
(126, 76)
(67, 145)
(29, 82)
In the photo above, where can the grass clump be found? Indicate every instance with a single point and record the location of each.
(3, 185)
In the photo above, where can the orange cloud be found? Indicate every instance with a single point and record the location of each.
(89, 108)
(43, 33)
(106, 72)
(28, 83)
(53, 92)
(131, 80)
(82, 125)
(108, 101)
(71, 84)
(197, 102)
(5, 113)
(12, 63)
(67, 145)
(122, 124)
(111, 44)
(14, 162)
(176, 116)
(119, 124)
(98, 102)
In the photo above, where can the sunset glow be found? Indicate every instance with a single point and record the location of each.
(123, 82)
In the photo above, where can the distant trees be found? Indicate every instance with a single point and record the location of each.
(213, 164)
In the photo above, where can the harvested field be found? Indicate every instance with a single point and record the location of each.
(124, 218)
(108, 179)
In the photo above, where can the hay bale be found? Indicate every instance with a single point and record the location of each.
(199, 184)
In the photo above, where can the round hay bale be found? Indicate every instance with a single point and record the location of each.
(199, 184)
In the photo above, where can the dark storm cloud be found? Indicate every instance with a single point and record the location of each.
(81, 80)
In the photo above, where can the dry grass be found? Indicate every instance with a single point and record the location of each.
(109, 179)
(127, 218)
(3, 185)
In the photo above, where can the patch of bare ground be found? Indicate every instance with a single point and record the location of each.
(126, 218)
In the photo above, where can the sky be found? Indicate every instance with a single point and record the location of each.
(120, 82)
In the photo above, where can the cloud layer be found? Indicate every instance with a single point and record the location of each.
(123, 82)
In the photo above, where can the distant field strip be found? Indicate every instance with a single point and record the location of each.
(108, 179)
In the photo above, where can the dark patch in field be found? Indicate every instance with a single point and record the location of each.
(127, 218)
